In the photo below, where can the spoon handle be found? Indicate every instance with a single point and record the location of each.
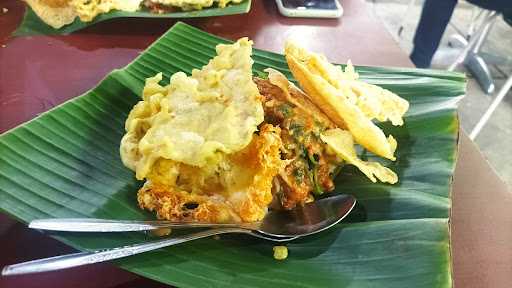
(106, 225)
(84, 258)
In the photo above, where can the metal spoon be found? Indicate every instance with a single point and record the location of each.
(277, 226)
(301, 221)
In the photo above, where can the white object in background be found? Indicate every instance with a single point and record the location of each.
(310, 8)
(503, 91)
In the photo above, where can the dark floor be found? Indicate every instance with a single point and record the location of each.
(495, 139)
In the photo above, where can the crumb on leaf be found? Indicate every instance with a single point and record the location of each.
(160, 232)
(280, 252)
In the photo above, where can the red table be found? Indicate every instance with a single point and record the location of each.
(37, 73)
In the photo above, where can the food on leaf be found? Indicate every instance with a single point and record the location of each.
(342, 143)
(222, 146)
(348, 101)
(194, 142)
(195, 119)
(58, 13)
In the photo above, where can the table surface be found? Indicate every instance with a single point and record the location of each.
(39, 72)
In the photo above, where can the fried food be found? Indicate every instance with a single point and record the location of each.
(342, 143)
(58, 13)
(55, 13)
(87, 10)
(309, 168)
(56, 3)
(221, 146)
(347, 101)
(194, 142)
(195, 119)
(236, 189)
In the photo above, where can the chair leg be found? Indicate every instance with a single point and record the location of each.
(476, 13)
(501, 95)
(479, 69)
(485, 33)
(489, 18)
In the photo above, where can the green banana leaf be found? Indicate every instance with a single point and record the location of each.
(65, 163)
(33, 25)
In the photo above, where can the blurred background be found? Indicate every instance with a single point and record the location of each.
(401, 18)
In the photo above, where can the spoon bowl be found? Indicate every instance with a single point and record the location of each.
(308, 219)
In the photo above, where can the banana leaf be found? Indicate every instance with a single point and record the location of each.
(33, 25)
(65, 163)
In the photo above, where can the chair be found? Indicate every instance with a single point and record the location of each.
(470, 55)
(484, 12)
(473, 61)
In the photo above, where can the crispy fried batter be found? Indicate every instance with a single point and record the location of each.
(238, 189)
(58, 13)
(55, 3)
(346, 100)
(195, 118)
(55, 13)
(342, 143)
